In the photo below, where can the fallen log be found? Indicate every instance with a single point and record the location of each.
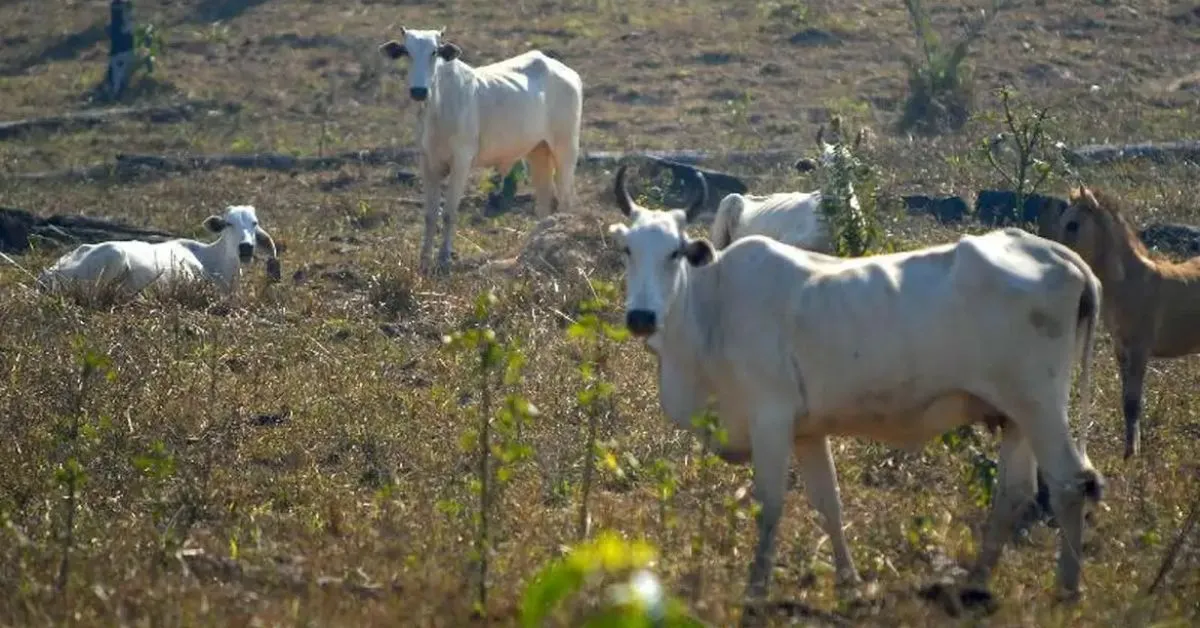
(82, 119)
(20, 228)
(1182, 150)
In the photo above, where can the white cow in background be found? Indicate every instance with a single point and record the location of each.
(798, 346)
(793, 218)
(131, 265)
(528, 106)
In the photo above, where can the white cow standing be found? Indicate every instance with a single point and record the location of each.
(797, 346)
(528, 106)
(130, 266)
(793, 218)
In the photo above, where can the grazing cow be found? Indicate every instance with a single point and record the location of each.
(798, 346)
(131, 265)
(528, 106)
(793, 218)
(1150, 305)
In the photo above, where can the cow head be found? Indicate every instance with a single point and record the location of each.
(239, 227)
(424, 48)
(657, 249)
(829, 152)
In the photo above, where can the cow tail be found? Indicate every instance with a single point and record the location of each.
(1086, 324)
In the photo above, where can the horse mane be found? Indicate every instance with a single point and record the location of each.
(1110, 206)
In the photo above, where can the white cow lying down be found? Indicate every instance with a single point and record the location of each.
(132, 265)
(528, 106)
(793, 218)
(797, 346)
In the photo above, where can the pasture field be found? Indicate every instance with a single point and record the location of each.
(294, 454)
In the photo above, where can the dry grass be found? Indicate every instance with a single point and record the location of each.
(313, 426)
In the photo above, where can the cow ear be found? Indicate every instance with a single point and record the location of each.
(449, 51)
(699, 252)
(393, 49)
(215, 224)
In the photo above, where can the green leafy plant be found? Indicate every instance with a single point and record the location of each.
(855, 231)
(70, 475)
(1036, 158)
(595, 399)
(507, 185)
(711, 432)
(148, 46)
(981, 469)
(666, 484)
(637, 601)
(939, 79)
(498, 439)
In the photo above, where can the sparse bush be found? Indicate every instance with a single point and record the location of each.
(70, 475)
(501, 438)
(854, 232)
(1036, 159)
(940, 80)
(595, 399)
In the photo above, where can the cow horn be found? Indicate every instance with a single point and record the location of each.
(701, 195)
(265, 239)
(624, 202)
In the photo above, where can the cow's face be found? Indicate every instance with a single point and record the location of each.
(423, 48)
(656, 248)
(240, 225)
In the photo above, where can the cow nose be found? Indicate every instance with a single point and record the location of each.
(419, 93)
(245, 251)
(641, 322)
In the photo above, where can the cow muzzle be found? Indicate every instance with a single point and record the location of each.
(419, 94)
(245, 252)
(641, 323)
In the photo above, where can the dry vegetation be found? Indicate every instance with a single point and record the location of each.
(292, 455)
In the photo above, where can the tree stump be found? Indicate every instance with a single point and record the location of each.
(120, 52)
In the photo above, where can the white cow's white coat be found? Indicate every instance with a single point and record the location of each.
(793, 218)
(528, 106)
(132, 265)
(797, 346)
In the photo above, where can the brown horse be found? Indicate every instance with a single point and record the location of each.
(1151, 307)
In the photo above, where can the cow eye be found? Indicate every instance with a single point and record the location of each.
(1072, 227)
(675, 254)
(625, 250)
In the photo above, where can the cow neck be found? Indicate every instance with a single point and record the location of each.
(219, 259)
(681, 321)
(429, 111)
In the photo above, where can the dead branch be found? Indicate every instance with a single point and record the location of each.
(82, 119)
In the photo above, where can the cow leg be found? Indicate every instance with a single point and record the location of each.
(431, 180)
(1016, 485)
(456, 185)
(1069, 477)
(770, 442)
(541, 171)
(1132, 364)
(566, 158)
(821, 486)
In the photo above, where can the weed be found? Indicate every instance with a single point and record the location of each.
(595, 399)
(495, 359)
(1026, 131)
(940, 80)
